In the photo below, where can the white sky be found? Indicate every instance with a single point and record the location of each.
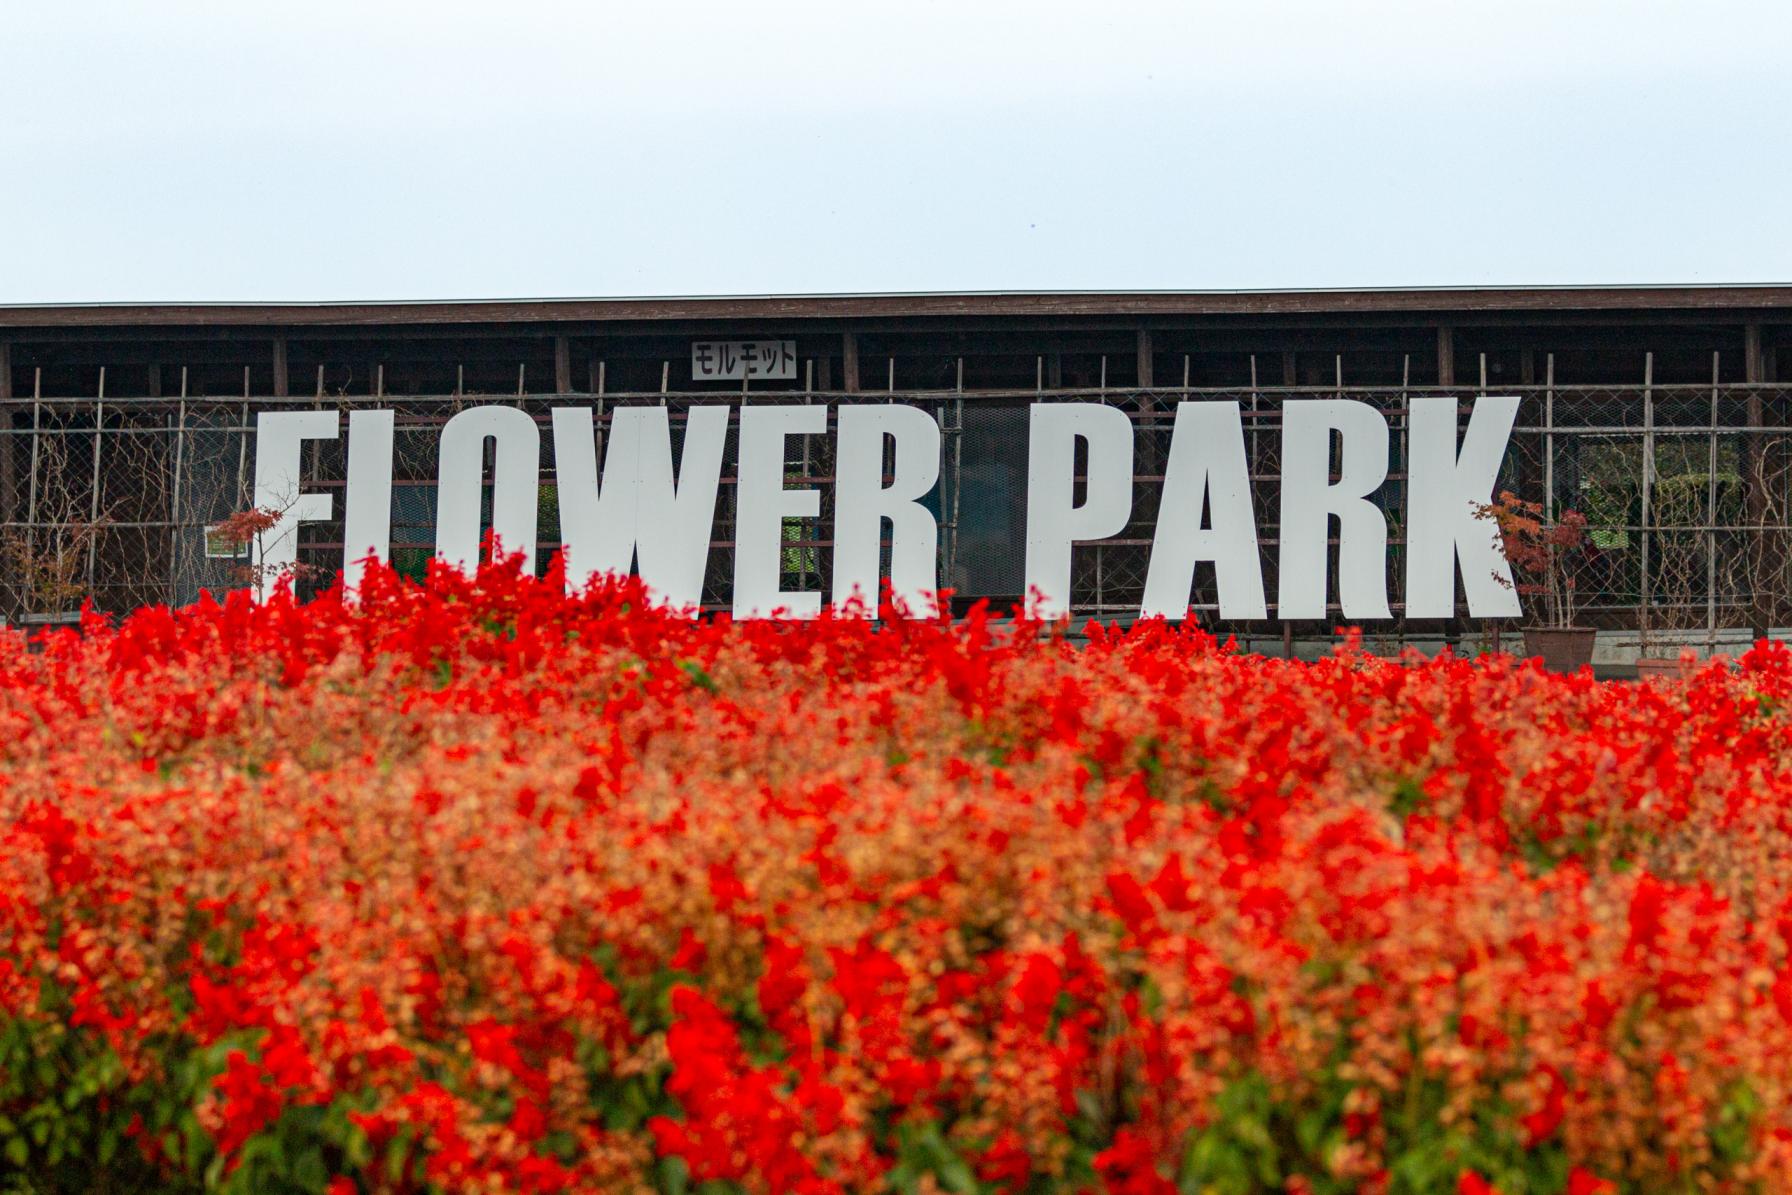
(189, 150)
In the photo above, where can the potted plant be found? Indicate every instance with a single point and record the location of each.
(48, 564)
(249, 530)
(48, 570)
(1542, 555)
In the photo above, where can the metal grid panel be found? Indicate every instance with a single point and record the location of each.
(1687, 491)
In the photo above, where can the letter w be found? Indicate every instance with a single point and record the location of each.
(640, 511)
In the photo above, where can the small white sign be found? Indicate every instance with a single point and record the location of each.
(733, 360)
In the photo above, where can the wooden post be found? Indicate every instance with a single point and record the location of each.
(37, 394)
(280, 390)
(1147, 408)
(849, 361)
(562, 366)
(180, 444)
(1549, 437)
(1754, 494)
(93, 514)
(1446, 355)
(1711, 512)
(9, 481)
(1645, 590)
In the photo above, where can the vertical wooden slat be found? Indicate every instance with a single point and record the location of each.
(1645, 582)
(93, 514)
(180, 444)
(1145, 365)
(849, 361)
(1446, 355)
(9, 480)
(1549, 437)
(1711, 513)
(37, 394)
(562, 365)
(1755, 482)
(280, 380)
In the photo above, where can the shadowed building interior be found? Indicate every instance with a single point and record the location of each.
(1656, 411)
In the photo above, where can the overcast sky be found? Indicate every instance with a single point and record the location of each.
(356, 150)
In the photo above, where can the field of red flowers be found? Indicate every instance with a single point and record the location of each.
(474, 887)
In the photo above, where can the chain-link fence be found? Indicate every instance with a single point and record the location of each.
(1687, 491)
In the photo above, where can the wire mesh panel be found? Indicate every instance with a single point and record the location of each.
(1686, 491)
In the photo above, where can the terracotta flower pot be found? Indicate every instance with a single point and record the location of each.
(1562, 649)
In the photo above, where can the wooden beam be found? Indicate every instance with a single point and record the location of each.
(1754, 487)
(280, 367)
(562, 366)
(9, 479)
(1446, 355)
(1145, 370)
(849, 361)
(776, 309)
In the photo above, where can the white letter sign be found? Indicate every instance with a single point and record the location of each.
(279, 436)
(1310, 498)
(1443, 488)
(628, 503)
(862, 503)
(1053, 521)
(762, 505)
(640, 513)
(460, 486)
(367, 519)
(1206, 470)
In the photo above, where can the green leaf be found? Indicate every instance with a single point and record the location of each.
(699, 677)
(674, 1176)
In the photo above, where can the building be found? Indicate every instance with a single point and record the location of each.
(1656, 411)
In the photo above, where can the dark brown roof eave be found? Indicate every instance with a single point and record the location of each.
(1145, 304)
